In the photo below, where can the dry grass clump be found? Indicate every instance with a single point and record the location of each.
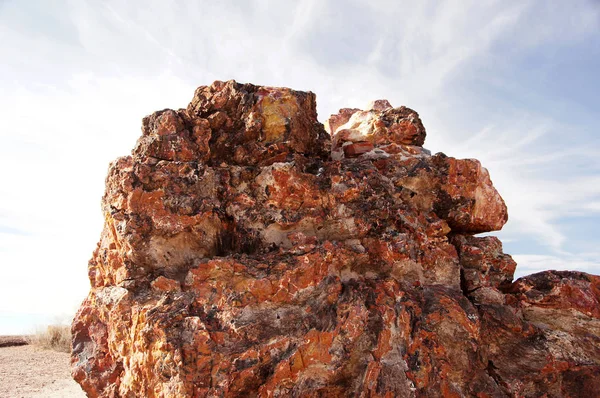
(55, 337)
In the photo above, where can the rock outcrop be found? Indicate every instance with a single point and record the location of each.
(247, 252)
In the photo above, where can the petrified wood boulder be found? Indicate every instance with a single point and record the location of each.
(247, 252)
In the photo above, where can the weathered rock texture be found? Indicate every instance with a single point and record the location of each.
(247, 252)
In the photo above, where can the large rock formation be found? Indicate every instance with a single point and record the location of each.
(246, 252)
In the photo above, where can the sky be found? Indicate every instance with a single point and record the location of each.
(512, 83)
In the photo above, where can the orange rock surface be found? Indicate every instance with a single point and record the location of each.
(247, 252)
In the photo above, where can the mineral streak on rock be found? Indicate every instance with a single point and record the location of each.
(246, 252)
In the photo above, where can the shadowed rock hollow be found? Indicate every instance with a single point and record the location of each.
(248, 252)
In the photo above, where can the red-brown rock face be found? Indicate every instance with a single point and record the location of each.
(245, 254)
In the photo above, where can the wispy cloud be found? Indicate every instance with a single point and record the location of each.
(531, 263)
(9, 230)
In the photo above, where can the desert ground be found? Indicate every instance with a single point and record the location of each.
(27, 371)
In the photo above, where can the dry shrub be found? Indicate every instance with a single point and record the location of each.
(55, 337)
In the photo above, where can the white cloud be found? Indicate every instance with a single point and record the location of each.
(594, 206)
(532, 263)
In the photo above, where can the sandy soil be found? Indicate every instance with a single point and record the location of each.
(30, 372)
